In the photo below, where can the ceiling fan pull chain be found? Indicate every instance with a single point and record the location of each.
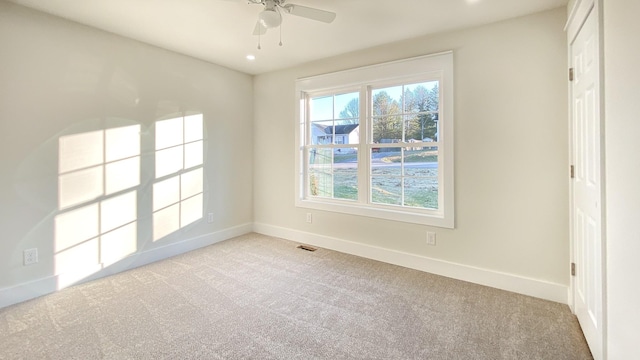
(280, 34)
(259, 47)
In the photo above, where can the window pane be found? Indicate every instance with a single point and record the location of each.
(347, 106)
(421, 177)
(321, 108)
(386, 190)
(421, 192)
(436, 120)
(322, 132)
(387, 129)
(422, 161)
(421, 97)
(413, 128)
(320, 172)
(386, 180)
(421, 127)
(345, 173)
(387, 101)
(346, 132)
(386, 161)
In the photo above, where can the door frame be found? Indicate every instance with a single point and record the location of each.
(578, 15)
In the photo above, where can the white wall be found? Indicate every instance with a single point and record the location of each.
(511, 156)
(511, 149)
(58, 77)
(622, 129)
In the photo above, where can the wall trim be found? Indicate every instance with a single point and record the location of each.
(33, 289)
(504, 281)
(576, 17)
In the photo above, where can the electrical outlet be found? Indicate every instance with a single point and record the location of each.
(309, 218)
(431, 238)
(210, 218)
(30, 256)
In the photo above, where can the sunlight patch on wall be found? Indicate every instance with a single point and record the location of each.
(191, 210)
(79, 168)
(75, 227)
(169, 161)
(191, 188)
(119, 243)
(122, 175)
(76, 263)
(97, 225)
(178, 190)
(118, 211)
(80, 186)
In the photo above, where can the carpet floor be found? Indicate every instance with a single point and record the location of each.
(259, 297)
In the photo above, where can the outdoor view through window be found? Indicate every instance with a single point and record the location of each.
(401, 145)
(377, 141)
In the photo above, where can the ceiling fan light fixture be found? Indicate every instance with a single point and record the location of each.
(270, 18)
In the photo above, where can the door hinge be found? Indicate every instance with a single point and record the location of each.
(570, 74)
(573, 171)
(573, 269)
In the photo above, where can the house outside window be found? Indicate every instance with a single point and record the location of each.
(378, 141)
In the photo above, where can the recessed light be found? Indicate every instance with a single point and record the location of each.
(251, 57)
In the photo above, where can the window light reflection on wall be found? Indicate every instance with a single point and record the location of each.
(97, 225)
(178, 190)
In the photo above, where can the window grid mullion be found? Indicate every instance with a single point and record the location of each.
(364, 156)
(365, 145)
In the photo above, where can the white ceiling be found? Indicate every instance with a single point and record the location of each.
(220, 31)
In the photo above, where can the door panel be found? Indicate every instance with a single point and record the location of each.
(587, 185)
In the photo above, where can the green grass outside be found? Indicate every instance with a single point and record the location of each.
(420, 192)
(412, 157)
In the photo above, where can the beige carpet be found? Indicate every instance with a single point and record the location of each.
(257, 297)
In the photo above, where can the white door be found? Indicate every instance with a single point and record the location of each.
(587, 207)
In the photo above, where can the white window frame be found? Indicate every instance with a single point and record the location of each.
(424, 68)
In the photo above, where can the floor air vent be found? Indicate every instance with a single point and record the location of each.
(307, 248)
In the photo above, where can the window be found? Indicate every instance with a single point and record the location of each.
(378, 141)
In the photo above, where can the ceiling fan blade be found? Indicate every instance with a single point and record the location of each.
(310, 13)
(259, 29)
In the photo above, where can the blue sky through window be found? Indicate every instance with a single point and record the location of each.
(329, 107)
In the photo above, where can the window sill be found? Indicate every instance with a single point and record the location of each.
(429, 218)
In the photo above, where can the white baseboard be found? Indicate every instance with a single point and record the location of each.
(27, 291)
(518, 284)
(504, 281)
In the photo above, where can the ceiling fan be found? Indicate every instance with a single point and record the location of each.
(271, 16)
